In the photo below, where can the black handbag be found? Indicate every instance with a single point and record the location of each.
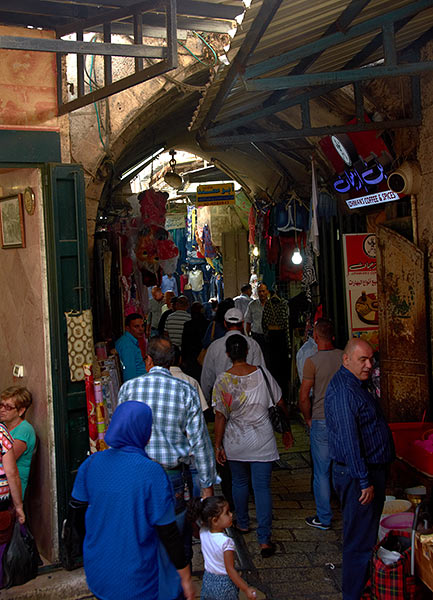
(277, 417)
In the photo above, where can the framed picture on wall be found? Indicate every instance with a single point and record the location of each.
(12, 222)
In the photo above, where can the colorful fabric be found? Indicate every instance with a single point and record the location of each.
(358, 433)
(209, 250)
(392, 582)
(130, 356)
(215, 587)
(80, 342)
(245, 401)
(24, 432)
(6, 443)
(178, 424)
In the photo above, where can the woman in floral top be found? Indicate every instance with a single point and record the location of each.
(244, 436)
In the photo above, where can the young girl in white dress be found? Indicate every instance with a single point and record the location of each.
(220, 579)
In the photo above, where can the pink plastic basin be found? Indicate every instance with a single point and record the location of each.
(400, 521)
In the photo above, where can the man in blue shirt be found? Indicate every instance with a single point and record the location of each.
(361, 446)
(129, 349)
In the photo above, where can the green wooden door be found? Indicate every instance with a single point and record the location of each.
(68, 285)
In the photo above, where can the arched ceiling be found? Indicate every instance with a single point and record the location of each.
(296, 71)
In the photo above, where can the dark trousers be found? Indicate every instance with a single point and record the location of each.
(360, 525)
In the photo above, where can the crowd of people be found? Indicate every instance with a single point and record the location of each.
(226, 361)
(145, 495)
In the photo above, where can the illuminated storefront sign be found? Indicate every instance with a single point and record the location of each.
(356, 179)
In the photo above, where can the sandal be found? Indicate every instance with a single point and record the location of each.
(242, 531)
(268, 551)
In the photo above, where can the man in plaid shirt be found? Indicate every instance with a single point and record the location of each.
(178, 429)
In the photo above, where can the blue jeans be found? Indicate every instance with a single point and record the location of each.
(360, 525)
(261, 479)
(321, 470)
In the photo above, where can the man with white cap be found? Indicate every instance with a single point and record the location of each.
(216, 360)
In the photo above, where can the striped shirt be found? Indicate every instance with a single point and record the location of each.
(178, 428)
(174, 326)
(358, 434)
(6, 443)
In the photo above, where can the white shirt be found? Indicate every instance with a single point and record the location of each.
(195, 279)
(241, 302)
(213, 546)
(177, 372)
(253, 315)
(244, 400)
(216, 360)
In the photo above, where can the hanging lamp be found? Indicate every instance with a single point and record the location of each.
(171, 178)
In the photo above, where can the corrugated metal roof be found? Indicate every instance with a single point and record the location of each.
(300, 22)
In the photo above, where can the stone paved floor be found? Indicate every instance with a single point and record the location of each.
(307, 564)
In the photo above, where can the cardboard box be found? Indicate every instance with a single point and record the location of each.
(424, 561)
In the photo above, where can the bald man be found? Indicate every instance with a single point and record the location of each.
(361, 447)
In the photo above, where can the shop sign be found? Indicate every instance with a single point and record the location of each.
(361, 285)
(378, 198)
(355, 179)
(175, 221)
(216, 194)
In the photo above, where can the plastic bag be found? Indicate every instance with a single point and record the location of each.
(21, 558)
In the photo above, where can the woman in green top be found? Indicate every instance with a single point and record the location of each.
(14, 402)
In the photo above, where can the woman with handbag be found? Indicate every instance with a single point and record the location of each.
(242, 397)
(10, 489)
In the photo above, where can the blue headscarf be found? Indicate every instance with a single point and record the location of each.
(130, 427)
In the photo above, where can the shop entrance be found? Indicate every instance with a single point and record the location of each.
(68, 290)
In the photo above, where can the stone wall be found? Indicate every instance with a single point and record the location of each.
(24, 340)
(425, 196)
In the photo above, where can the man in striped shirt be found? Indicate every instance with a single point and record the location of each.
(176, 321)
(361, 447)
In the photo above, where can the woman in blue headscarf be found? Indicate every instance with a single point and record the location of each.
(130, 508)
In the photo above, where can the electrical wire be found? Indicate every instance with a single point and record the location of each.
(89, 75)
(215, 60)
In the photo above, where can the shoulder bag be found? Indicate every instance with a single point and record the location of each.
(277, 417)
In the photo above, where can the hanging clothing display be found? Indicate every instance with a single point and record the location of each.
(209, 249)
(308, 272)
(80, 342)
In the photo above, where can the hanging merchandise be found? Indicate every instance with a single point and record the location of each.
(252, 226)
(91, 407)
(313, 237)
(154, 242)
(80, 342)
(100, 417)
(209, 249)
(308, 272)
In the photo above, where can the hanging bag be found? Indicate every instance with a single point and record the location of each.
(392, 581)
(21, 558)
(277, 417)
